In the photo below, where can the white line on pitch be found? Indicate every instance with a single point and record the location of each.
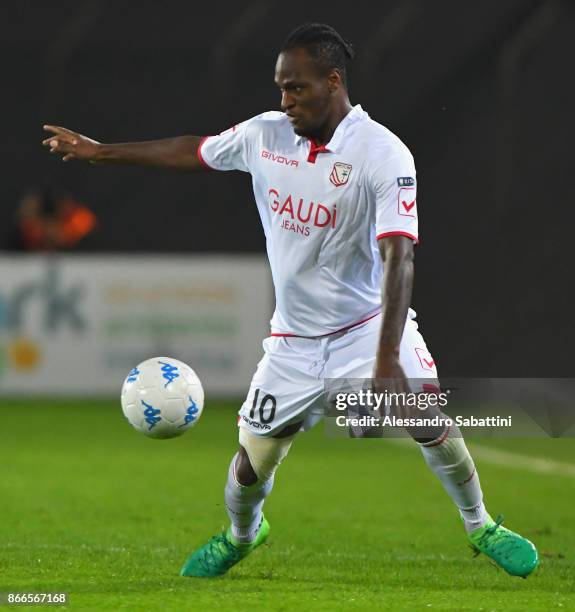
(511, 460)
(522, 462)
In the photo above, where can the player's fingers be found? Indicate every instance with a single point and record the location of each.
(69, 156)
(53, 128)
(54, 139)
(53, 143)
(60, 131)
(60, 146)
(67, 139)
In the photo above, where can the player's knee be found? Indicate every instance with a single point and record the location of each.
(259, 457)
(433, 433)
(245, 474)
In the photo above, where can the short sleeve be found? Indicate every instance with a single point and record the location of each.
(394, 185)
(228, 150)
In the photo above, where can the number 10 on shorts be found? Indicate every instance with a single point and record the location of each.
(268, 402)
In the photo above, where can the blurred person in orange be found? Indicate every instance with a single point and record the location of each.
(49, 219)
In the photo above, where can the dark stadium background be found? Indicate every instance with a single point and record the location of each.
(482, 93)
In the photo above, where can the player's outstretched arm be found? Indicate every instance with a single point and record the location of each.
(179, 153)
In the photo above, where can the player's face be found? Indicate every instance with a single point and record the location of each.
(306, 98)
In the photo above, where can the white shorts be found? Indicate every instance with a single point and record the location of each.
(288, 385)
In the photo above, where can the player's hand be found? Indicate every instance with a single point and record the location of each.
(388, 375)
(70, 144)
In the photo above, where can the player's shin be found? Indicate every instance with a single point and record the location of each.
(244, 504)
(450, 461)
(244, 497)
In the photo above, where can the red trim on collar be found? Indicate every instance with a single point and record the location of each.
(314, 150)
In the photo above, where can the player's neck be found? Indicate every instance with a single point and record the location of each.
(338, 114)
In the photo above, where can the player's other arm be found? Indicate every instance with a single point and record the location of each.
(180, 153)
(397, 255)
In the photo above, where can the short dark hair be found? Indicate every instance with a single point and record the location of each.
(326, 47)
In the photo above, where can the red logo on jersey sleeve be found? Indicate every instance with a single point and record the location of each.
(406, 202)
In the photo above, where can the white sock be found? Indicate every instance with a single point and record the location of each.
(244, 505)
(451, 462)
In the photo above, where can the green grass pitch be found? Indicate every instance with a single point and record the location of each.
(93, 508)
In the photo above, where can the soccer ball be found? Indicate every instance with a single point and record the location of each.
(162, 397)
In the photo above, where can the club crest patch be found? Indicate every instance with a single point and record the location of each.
(340, 174)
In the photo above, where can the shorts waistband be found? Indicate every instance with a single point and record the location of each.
(339, 331)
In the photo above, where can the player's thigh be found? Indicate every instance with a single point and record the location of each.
(416, 360)
(354, 355)
(283, 389)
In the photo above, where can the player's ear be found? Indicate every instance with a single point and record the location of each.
(334, 81)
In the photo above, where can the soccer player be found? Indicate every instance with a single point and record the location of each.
(336, 193)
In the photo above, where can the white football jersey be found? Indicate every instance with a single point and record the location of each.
(323, 208)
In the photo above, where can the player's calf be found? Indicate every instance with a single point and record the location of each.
(250, 480)
(448, 458)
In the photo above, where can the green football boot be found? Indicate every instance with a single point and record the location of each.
(221, 553)
(514, 553)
